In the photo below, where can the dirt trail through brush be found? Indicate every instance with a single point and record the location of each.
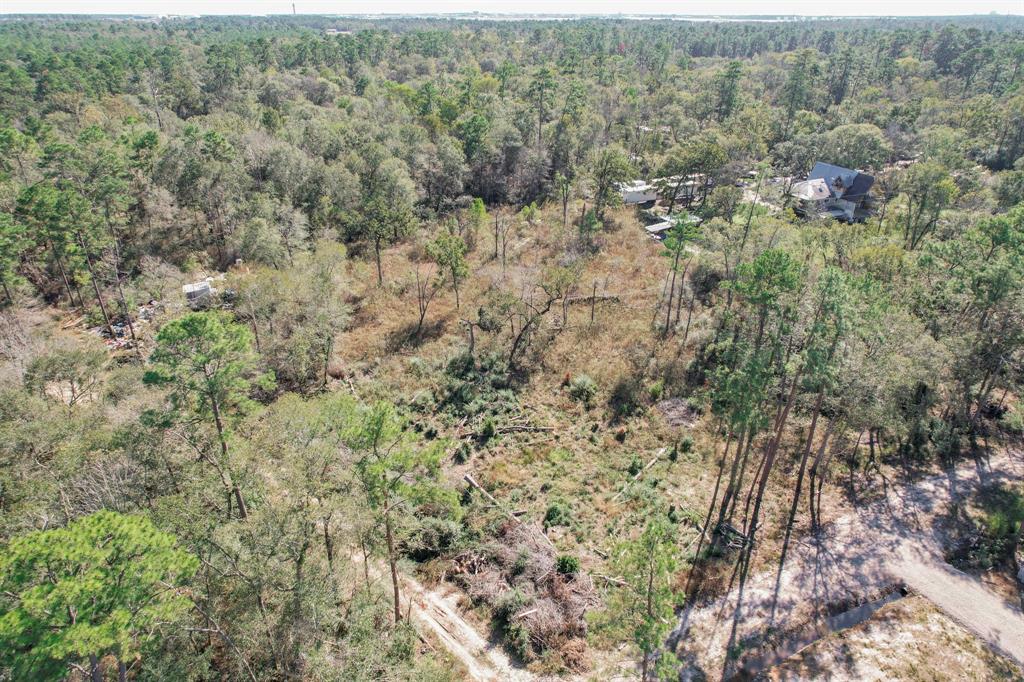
(435, 611)
(484, 661)
(897, 540)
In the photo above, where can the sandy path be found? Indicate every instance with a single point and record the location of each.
(898, 539)
(484, 661)
(966, 601)
(436, 611)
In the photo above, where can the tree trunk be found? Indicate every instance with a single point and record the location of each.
(380, 270)
(64, 276)
(393, 562)
(366, 559)
(95, 286)
(120, 289)
(243, 510)
(94, 668)
(328, 349)
(255, 328)
(689, 314)
(750, 491)
(328, 543)
(730, 488)
(593, 303)
(711, 506)
(472, 338)
(671, 293)
(682, 284)
(675, 192)
(650, 613)
(769, 459)
(816, 467)
(127, 316)
(504, 251)
(800, 480)
(668, 305)
(750, 216)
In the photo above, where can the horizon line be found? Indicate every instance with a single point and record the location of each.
(487, 13)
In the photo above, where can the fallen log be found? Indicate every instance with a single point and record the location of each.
(609, 298)
(490, 498)
(614, 581)
(639, 474)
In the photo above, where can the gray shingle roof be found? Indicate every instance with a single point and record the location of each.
(842, 182)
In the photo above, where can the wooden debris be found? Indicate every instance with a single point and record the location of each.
(639, 474)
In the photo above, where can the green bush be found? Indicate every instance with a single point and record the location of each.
(583, 389)
(567, 564)
(656, 390)
(403, 642)
(463, 453)
(488, 430)
(419, 368)
(433, 538)
(635, 466)
(1013, 422)
(519, 565)
(473, 387)
(995, 535)
(625, 399)
(517, 639)
(946, 439)
(507, 605)
(517, 636)
(558, 514)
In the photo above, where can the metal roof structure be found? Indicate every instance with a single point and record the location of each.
(842, 183)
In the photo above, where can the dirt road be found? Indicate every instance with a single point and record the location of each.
(898, 539)
(484, 661)
(435, 611)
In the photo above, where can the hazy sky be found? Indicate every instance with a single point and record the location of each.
(812, 7)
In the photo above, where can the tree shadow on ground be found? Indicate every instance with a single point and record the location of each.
(408, 336)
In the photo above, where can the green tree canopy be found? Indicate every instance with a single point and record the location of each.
(104, 585)
(645, 603)
(208, 362)
(448, 250)
(13, 243)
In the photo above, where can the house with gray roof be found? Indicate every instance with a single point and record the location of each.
(835, 191)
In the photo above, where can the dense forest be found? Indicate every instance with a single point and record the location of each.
(424, 349)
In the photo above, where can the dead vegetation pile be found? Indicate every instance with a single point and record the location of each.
(677, 412)
(539, 601)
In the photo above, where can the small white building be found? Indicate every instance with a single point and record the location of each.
(197, 292)
(658, 230)
(638, 192)
(643, 192)
(686, 191)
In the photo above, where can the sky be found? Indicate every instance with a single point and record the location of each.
(719, 7)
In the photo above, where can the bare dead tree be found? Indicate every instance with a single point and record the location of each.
(426, 289)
